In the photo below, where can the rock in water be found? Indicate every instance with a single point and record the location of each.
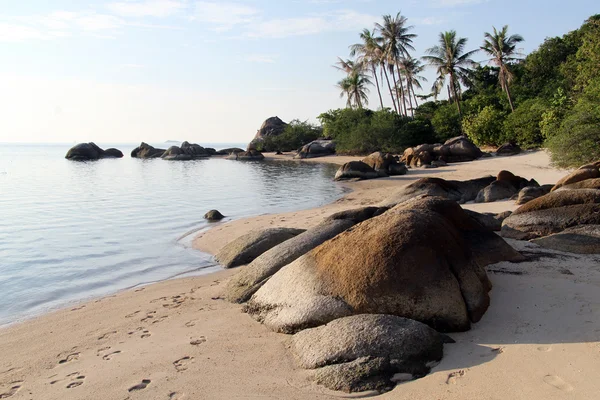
(364, 352)
(250, 155)
(214, 215)
(583, 239)
(112, 153)
(91, 151)
(144, 150)
(246, 248)
(422, 260)
(355, 170)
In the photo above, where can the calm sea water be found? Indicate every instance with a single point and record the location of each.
(76, 230)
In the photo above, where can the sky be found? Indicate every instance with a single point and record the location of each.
(125, 71)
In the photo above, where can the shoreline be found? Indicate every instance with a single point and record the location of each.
(178, 339)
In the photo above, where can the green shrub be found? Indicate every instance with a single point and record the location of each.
(446, 122)
(485, 127)
(296, 134)
(523, 125)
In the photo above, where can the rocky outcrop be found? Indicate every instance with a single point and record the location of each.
(316, 148)
(532, 192)
(91, 151)
(422, 260)
(254, 275)
(506, 186)
(508, 149)
(584, 239)
(459, 191)
(585, 184)
(229, 150)
(187, 151)
(144, 150)
(272, 126)
(355, 170)
(589, 171)
(385, 164)
(250, 155)
(213, 215)
(246, 248)
(457, 149)
(364, 352)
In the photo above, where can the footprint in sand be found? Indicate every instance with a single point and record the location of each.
(176, 302)
(558, 383)
(160, 319)
(544, 349)
(189, 324)
(78, 308)
(176, 396)
(140, 386)
(109, 356)
(133, 314)
(148, 316)
(182, 364)
(69, 358)
(144, 333)
(14, 387)
(106, 335)
(453, 376)
(198, 341)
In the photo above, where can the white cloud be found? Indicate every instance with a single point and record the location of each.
(223, 16)
(147, 8)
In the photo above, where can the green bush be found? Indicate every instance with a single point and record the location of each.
(523, 125)
(446, 122)
(485, 127)
(296, 134)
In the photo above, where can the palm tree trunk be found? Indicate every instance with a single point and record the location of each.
(402, 111)
(414, 95)
(456, 99)
(412, 112)
(377, 84)
(402, 92)
(390, 89)
(507, 90)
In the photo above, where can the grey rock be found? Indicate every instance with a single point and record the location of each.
(246, 248)
(584, 239)
(91, 151)
(532, 192)
(316, 148)
(250, 155)
(355, 170)
(144, 150)
(498, 190)
(214, 215)
(508, 149)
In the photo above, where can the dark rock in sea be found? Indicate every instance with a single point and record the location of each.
(90, 151)
(229, 150)
(317, 148)
(508, 149)
(214, 215)
(210, 151)
(175, 153)
(364, 352)
(355, 170)
(422, 260)
(250, 155)
(246, 248)
(144, 150)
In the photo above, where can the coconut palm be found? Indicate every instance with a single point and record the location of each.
(502, 50)
(396, 41)
(452, 62)
(348, 66)
(410, 68)
(354, 86)
(368, 52)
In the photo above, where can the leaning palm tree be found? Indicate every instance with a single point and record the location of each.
(452, 62)
(396, 41)
(368, 52)
(410, 68)
(502, 50)
(348, 66)
(354, 87)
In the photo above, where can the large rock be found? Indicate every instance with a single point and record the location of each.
(589, 171)
(583, 239)
(459, 191)
(246, 248)
(508, 149)
(422, 260)
(458, 149)
(272, 126)
(250, 155)
(214, 215)
(254, 275)
(553, 213)
(144, 150)
(532, 192)
(229, 150)
(91, 151)
(506, 186)
(593, 183)
(187, 151)
(355, 170)
(364, 352)
(316, 148)
(385, 164)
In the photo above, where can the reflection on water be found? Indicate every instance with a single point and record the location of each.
(74, 230)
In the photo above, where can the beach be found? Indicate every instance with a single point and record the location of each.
(178, 339)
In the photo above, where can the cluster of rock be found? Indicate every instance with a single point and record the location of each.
(457, 149)
(249, 155)
(566, 219)
(187, 151)
(91, 151)
(375, 165)
(366, 305)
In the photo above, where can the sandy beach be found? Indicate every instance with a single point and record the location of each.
(178, 339)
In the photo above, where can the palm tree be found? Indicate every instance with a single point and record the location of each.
(369, 54)
(396, 41)
(348, 66)
(410, 69)
(502, 50)
(354, 86)
(452, 62)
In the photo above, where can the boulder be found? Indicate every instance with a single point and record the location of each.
(144, 150)
(246, 248)
(213, 215)
(175, 153)
(254, 275)
(229, 150)
(210, 151)
(357, 214)
(458, 149)
(316, 148)
(583, 239)
(553, 213)
(91, 151)
(532, 192)
(590, 171)
(364, 352)
(497, 190)
(397, 169)
(187, 151)
(593, 183)
(422, 260)
(271, 127)
(250, 155)
(459, 191)
(508, 149)
(355, 170)
(385, 164)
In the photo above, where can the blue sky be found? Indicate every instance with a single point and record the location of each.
(210, 71)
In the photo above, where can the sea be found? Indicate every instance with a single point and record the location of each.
(73, 231)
